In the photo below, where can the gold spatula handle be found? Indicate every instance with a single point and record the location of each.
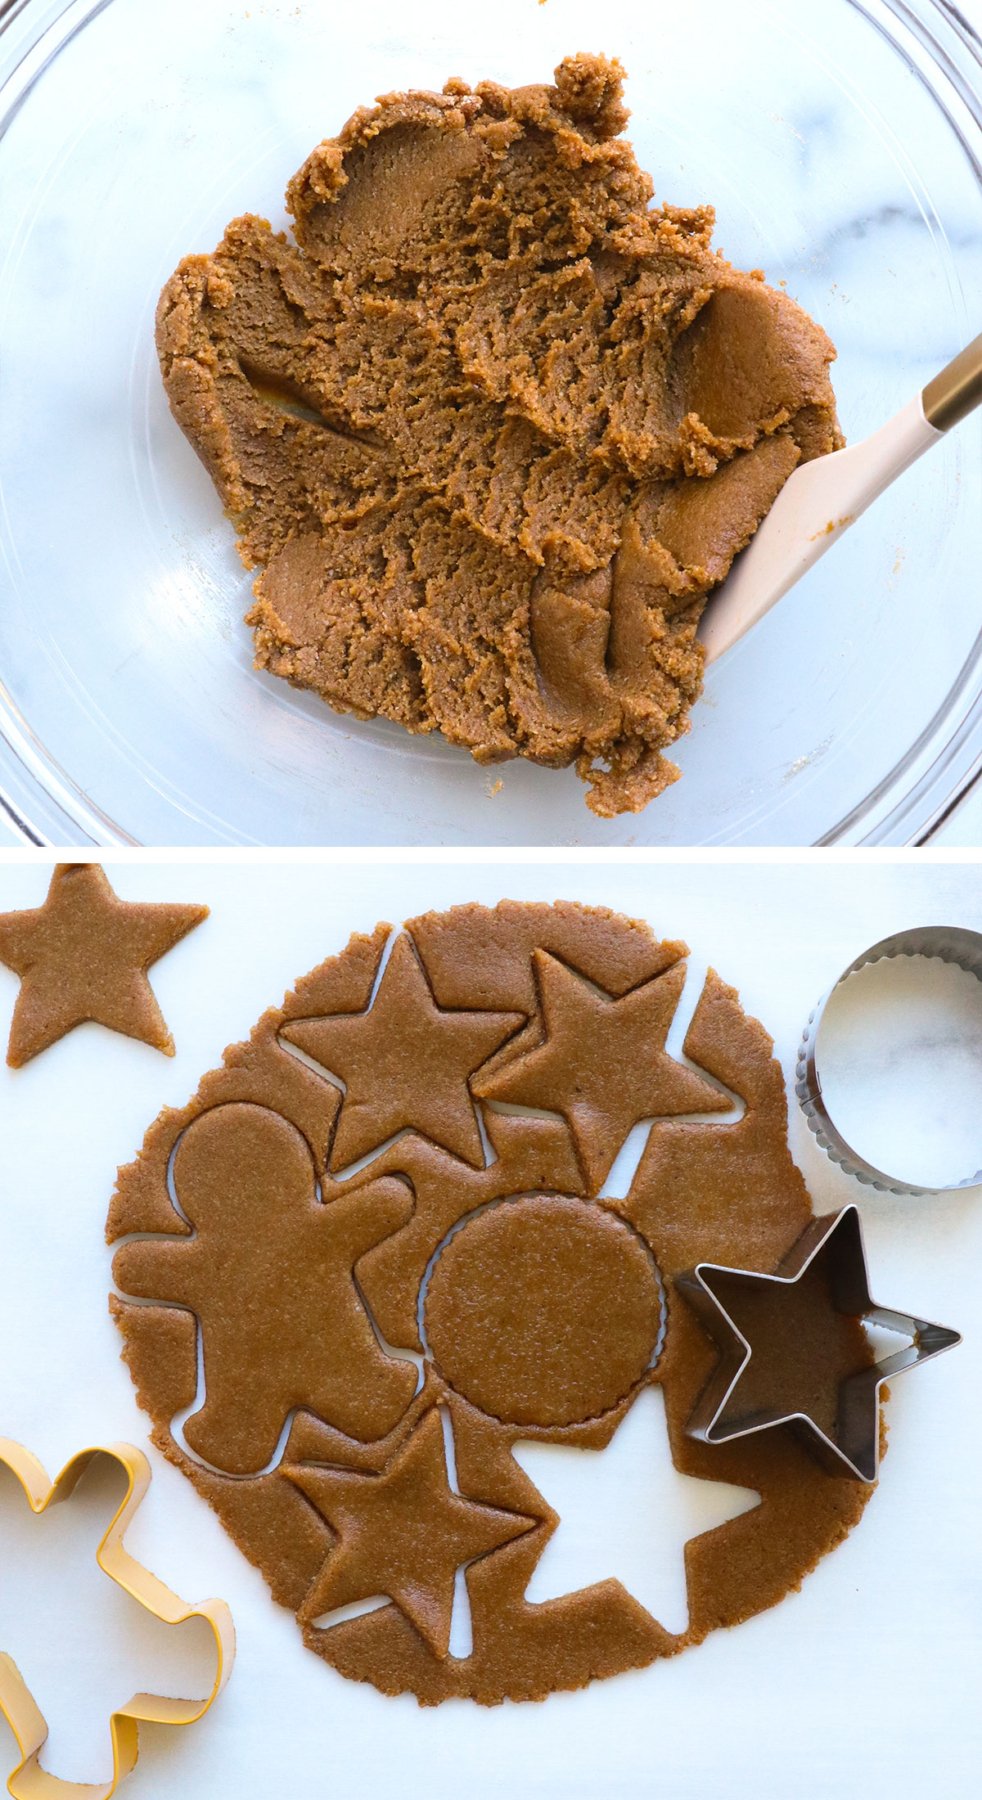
(954, 393)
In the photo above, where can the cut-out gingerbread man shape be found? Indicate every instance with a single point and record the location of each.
(268, 1273)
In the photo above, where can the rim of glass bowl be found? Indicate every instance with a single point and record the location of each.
(43, 805)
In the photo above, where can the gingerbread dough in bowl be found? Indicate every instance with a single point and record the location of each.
(493, 426)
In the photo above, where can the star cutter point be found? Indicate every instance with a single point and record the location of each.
(854, 1450)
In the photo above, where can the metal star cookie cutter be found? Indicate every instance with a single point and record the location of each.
(948, 943)
(854, 1451)
(29, 1781)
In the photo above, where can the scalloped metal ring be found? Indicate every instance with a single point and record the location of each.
(946, 943)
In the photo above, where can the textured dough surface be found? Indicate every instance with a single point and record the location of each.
(492, 427)
(522, 1247)
(83, 956)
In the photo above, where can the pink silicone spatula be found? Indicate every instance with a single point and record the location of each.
(823, 498)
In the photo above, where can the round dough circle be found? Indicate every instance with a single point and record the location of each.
(572, 1329)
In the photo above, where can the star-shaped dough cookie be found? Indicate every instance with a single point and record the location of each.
(268, 1274)
(84, 955)
(405, 1063)
(403, 1533)
(603, 1063)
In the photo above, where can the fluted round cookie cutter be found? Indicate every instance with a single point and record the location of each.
(945, 943)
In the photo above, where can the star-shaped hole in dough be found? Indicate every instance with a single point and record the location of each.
(405, 1063)
(603, 1063)
(650, 1511)
(403, 1533)
(268, 1274)
(84, 956)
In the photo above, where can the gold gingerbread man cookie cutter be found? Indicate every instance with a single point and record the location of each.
(29, 1781)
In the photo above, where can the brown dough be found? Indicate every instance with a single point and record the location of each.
(268, 1274)
(543, 1317)
(526, 1351)
(602, 1063)
(492, 427)
(83, 956)
(404, 1063)
(404, 1533)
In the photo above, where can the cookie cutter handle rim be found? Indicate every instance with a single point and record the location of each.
(29, 1780)
(955, 944)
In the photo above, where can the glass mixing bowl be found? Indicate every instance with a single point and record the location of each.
(840, 141)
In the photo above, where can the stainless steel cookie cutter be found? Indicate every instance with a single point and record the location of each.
(853, 1449)
(947, 943)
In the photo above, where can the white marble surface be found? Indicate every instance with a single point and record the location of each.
(865, 1682)
(904, 1025)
